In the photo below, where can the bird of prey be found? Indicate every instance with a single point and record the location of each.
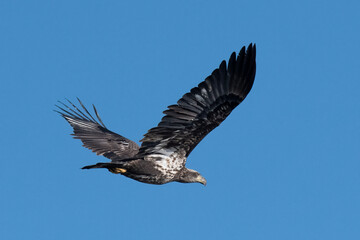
(161, 158)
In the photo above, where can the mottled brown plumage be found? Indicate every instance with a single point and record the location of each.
(165, 148)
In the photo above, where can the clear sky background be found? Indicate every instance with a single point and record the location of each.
(284, 165)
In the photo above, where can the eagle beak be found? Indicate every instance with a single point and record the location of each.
(201, 180)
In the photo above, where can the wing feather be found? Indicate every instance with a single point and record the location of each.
(95, 136)
(202, 109)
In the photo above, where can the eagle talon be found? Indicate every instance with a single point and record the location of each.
(117, 170)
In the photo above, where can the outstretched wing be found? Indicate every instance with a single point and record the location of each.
(95, 136)
(202, 109)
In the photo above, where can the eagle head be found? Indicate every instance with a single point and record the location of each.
(190, 176)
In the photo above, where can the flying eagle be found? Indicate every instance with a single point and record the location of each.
(161, 158)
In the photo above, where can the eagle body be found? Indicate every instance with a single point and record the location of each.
(155, 169)
(161, 158)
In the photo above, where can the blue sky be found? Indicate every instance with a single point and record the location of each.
(284, 165)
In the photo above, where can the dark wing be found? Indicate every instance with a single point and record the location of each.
(95, 136)
(202, 109)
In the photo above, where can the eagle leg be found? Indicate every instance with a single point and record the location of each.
(117, 170)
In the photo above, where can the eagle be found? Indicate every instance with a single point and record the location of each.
(161, 158)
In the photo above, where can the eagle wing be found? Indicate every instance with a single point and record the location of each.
(95, 136)
(202, 109)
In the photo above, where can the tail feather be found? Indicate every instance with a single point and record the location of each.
(103, 165)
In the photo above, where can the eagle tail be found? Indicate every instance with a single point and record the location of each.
(98, 165)
(111, 166)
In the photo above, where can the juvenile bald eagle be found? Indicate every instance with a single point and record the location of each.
(162, 155)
